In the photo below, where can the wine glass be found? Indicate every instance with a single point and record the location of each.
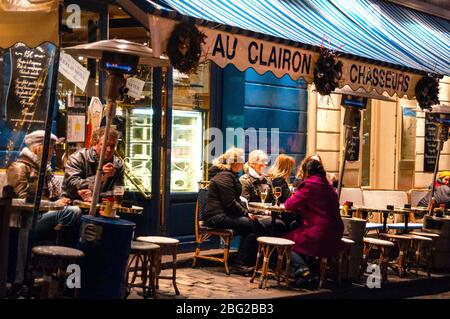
(277, 194)
(263, 192)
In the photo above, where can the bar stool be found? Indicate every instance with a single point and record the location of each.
(53, 261)
(431, 247)
(403, 242)
(266, 246)
(345, 255)
(146, 254)
(339, 259)
(384, 246)
(166, 244)
(419, 244)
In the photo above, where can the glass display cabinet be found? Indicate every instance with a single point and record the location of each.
(138, 151)
(187, 150)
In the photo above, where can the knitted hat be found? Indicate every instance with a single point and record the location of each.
(37, 137)
(443, 174)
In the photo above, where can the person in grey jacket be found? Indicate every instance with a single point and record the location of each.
(22, 175)
(81, 167)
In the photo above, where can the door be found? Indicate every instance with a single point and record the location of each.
(383, 144)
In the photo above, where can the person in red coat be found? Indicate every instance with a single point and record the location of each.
(316, 202)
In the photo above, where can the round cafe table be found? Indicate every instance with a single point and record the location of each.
(274, 209)
(45, 206)
(120, 210)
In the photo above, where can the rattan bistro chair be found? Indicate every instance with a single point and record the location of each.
(202, 232)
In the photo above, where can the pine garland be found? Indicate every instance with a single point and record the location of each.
(327, 72)
(427, 92)
(184, 47)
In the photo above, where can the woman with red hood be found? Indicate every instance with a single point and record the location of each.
(316, 202)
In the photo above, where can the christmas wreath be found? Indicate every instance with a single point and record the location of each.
(427, 92)
(327, 72)
(184, 47)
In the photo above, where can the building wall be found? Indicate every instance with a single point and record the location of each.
(423, 180)
(263, 102)
(325, 137)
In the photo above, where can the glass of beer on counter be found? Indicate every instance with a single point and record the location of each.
(118, 192)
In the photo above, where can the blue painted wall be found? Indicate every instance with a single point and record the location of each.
(264, 101)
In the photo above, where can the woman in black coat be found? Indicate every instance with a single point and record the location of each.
(224, 208)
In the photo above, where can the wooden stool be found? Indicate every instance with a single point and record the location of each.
(344, 254)
(384, 246)
(53, 260)
(266, 246)
(403, 243)
(146, 254)
(434, 237)
(166, 244)
(419, 244)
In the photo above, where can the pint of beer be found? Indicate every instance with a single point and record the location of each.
(118, 192)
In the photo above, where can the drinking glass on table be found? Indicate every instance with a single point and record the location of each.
(118, 192)
(277, 194)
(263, 192)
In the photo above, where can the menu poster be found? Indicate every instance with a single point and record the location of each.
(352, 150)
(76, 128)
(29, 88)
(430, 151)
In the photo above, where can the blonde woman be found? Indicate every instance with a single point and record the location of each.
(279, 174)
(224, 208)
(254, 180)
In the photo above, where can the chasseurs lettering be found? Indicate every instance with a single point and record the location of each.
(379, 77)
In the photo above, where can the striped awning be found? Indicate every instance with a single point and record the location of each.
(367, 31)
(377, 30)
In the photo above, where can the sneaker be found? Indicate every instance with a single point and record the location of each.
(243, 270)
(303, 273)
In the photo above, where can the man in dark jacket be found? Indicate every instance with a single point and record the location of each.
(224, 208)
(81, 168)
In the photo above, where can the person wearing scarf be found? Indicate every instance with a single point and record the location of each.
(22, 175)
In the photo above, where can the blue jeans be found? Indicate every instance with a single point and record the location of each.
(298, 264)
(45, 227)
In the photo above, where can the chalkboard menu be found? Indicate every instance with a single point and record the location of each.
(430, 152)
(352, 150)
(28, 92)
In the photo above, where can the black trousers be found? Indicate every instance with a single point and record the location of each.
(248, 229)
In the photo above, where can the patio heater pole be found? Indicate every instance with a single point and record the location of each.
(114, 83)
(348, 130)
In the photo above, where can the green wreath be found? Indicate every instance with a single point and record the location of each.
(184, 47)
(327, 72)
(427, 92)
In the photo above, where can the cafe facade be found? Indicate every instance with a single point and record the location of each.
(256, 76)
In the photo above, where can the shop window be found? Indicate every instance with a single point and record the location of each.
(191, 102)
(136, 149)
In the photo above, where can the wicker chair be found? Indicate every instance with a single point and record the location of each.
(202, 232)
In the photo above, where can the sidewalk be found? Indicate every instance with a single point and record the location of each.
(209, 281)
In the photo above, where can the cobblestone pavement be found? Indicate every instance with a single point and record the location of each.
(213, 283)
